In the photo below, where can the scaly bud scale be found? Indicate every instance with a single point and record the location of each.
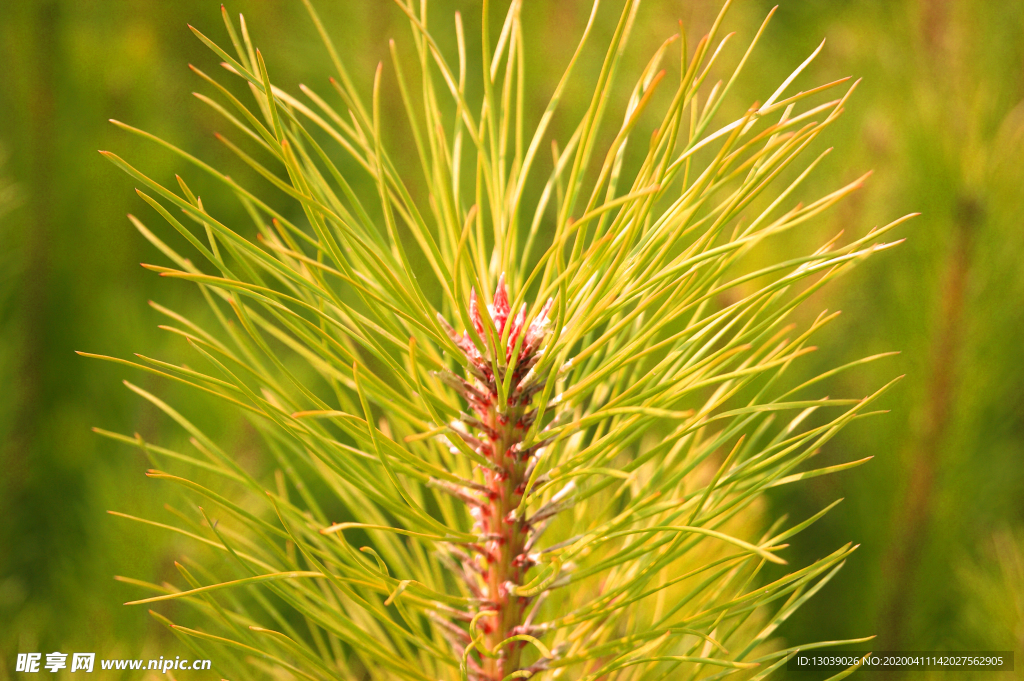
(501, 554)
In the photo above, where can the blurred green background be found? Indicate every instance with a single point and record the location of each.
(939, 512)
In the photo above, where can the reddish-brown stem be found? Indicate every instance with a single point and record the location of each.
(504, 552)
(500, 427)
(915, 510)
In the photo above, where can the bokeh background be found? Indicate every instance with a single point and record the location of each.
(939, 512)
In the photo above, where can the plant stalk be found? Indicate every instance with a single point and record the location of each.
(501, 428)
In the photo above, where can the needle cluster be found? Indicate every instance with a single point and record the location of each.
(521, 413)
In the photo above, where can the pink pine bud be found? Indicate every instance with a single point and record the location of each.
(538, 329)
(517, 328)
(500, 310)
(474, 312)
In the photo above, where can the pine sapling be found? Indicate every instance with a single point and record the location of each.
(522, 412)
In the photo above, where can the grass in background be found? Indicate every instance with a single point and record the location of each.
(941, 123)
